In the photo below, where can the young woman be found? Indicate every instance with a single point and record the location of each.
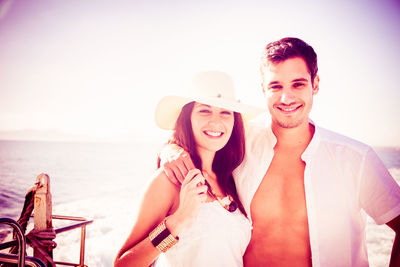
(202, 222)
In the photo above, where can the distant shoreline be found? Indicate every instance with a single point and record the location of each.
(132, 140)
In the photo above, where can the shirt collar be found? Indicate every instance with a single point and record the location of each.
(312, 146)
(271, 135)
(265, 120)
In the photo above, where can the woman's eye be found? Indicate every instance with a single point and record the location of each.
(204, 111)
(226, 112)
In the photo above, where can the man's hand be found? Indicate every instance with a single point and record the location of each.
(176, 163)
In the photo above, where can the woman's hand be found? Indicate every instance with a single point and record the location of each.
(193, 193)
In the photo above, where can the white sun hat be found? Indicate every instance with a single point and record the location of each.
(212, 88)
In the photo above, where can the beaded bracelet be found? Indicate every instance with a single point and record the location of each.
(162, 238)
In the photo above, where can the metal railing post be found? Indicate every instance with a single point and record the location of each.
(83, 237)
(43, 213)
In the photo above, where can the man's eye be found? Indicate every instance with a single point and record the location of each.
(275, 87)
(298, 85)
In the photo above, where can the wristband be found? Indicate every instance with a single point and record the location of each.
(162, 238)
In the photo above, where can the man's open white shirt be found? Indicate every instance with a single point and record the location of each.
(343, 179)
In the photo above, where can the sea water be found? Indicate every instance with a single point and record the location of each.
(104, 182)
(99, 181)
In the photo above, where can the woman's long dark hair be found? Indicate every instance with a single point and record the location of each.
(225, 160)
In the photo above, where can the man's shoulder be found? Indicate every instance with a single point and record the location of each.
(258, 125)
(338, 140)
(261, 121)
(258, 130)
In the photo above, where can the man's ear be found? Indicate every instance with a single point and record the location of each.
(316, 85)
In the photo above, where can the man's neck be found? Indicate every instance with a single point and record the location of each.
(297, 137)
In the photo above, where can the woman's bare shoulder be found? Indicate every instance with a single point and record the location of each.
(161, 187)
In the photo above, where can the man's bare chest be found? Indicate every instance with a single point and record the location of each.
(279, 214)
(281, 194)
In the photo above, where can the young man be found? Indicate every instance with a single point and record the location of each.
(307, 189)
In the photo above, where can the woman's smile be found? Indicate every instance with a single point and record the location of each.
(213, 134)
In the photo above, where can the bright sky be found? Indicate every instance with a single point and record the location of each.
(98, 67)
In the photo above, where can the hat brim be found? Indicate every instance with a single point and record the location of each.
(169, 108)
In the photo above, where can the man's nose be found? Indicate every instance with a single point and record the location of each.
(287, 97)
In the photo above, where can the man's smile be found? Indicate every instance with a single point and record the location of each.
(288, 109)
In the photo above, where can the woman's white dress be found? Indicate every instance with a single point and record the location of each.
(216, 237)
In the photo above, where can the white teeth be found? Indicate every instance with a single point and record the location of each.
(288, 109)
(216, 134)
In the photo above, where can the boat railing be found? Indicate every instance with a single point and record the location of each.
(21, 241)
(20, 259)
(38, 200)
(82, 224)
